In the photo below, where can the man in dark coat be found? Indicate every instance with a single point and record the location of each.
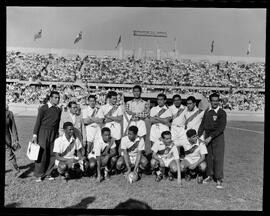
(12, 140)
(45, 132)
(212, 127)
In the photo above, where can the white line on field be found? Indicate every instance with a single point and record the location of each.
(243, 129)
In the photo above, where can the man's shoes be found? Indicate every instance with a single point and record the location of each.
(187, 177)
(159, 178)
(170, 176)
(207, 180)
(50, 178)
(106, 175)
(39, 179)
(199, 179)
(219, 184)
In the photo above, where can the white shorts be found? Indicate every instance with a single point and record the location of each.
(141, 127)
(192, 160)
(166, 161)
(80, 162)
(131, 157)
(178, 135)
(156, 130)
(91, 131)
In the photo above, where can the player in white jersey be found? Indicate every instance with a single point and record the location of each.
(112, 115)
(195, 152)
(103, 155)
(159, 118)
(91, 122)
(132, 146)
(165, 154)
(136, 111)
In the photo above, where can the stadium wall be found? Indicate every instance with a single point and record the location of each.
(116, 53)
(31, 110)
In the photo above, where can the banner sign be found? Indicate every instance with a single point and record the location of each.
(150, 34)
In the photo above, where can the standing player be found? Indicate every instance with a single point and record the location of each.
(165, 154)
(132, 146)
(112, 115)
(195, 151)
(45, 132)
(159, 118)
(212, 128)
(91, 122)
(103, 154)
(136, 111)
(65, 147)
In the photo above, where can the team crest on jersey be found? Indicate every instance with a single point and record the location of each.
(214, 117)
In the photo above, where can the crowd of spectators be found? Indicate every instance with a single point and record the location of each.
(35, 94)
(91, 69)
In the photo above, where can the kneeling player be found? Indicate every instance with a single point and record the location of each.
(103, 154)
(165, 154)
(65, 147)
(195, 151)
(132, 146)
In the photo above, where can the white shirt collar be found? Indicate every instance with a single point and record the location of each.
(194, 109)
(181, 106)
(72, 138)
(216, 110)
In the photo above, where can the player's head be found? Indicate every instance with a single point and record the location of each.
(137, 90)
(92, 101)
(177, 100)
(106, 134)
(191, 103)
(68, 129)
(214, 100)
(54, 97)
(161, 99)
(191, 136)
(112, 96)
(166, 136)
(72, 106)
(132, 132)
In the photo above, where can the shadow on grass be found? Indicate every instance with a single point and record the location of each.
(12, 205)
(83, 204)
(7, 171)
(30, 168)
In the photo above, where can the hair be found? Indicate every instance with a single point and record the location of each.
(213, 95)
(111, 94)
(92, 96)
(176, 96)
(53, 93)
(70, 103)
(132, 204)
(137, 87)
(190, 133)
(193, 99)
(103, 130)
(67, 124)
(164, 133)
(162, 95)
(134, 129)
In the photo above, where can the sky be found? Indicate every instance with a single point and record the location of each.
(193, 28)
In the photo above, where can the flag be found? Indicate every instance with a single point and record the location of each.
(119, 41)
(78, 37)
(38, 35)
(212, 46)
(249, 46)
(174, 48)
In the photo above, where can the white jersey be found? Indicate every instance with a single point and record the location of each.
(195, 156)
(91, 129)
(196, 121)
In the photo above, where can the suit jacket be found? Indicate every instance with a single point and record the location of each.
(79, 128)
(11, 129)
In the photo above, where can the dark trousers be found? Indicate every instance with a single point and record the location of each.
(215, 157)
(46, 159)
(11, 156)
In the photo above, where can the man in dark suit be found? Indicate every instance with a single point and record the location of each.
(44, 134)
(12, 140)
(212, 127)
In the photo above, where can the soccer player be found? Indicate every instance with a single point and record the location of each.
(159, 118)
(132, 146)
(91, 122)
(194, 161)
(165, 154)
(65, 147)
(44, 134)
(112, 115)
(212, 128)
(103, 154)
(136, 111)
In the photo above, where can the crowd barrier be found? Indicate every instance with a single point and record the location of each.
(31, 110)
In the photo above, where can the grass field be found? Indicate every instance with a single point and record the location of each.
(243, 181)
